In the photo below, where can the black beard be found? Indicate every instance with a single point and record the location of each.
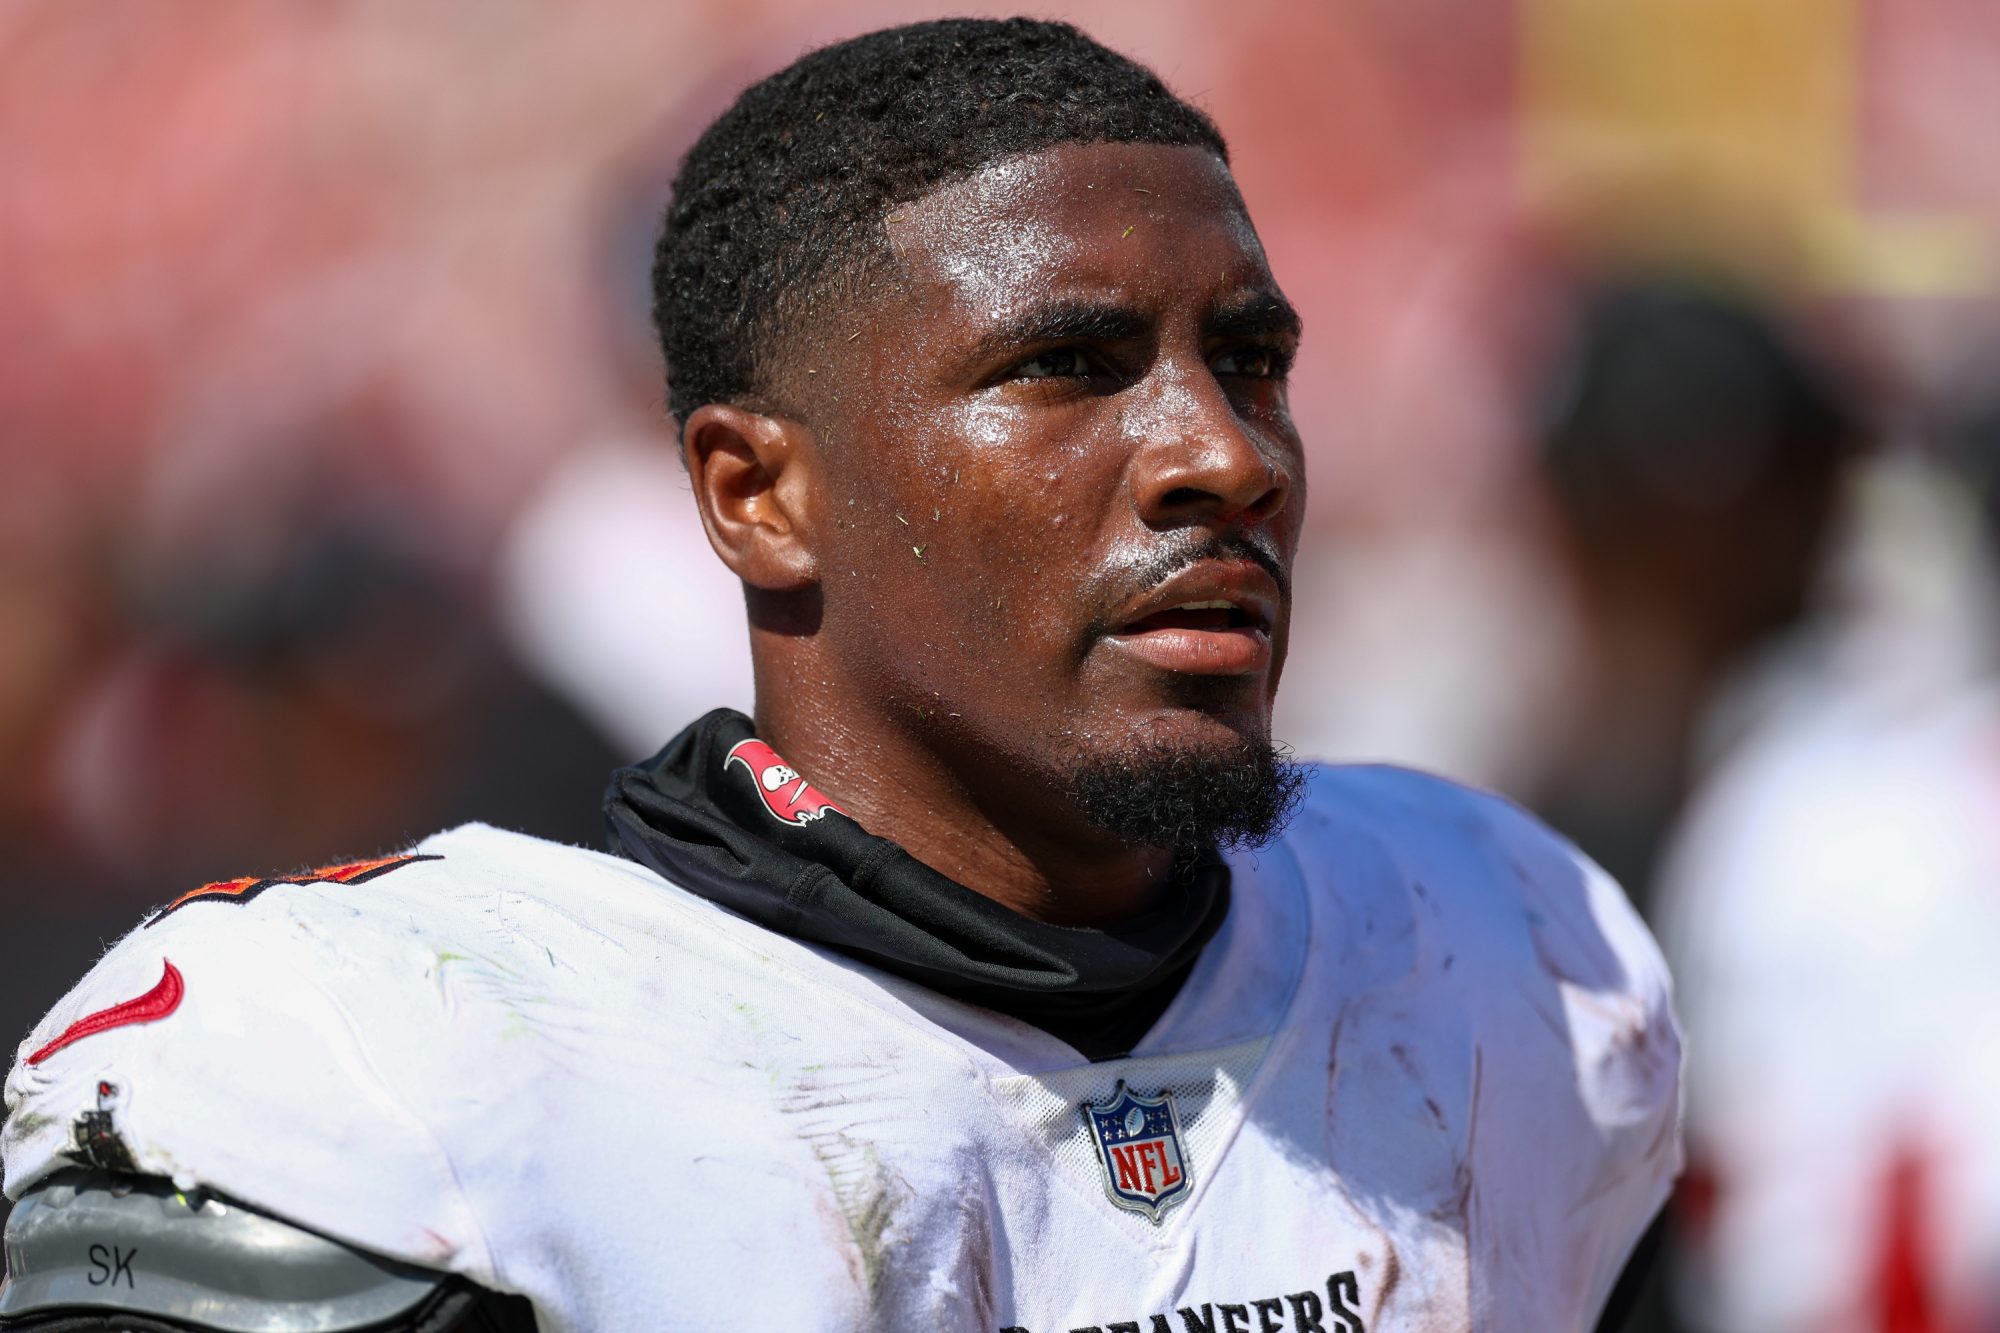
(1189, 800)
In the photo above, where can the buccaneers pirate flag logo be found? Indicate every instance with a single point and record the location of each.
(785, 794)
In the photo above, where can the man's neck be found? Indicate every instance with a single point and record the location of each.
(1011, 839)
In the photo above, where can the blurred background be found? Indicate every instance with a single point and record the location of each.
(1651, 392)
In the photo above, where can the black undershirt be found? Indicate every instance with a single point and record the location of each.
(702, 823)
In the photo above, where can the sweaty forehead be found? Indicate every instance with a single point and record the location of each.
(1138, 219)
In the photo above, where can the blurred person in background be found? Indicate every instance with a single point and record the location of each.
(319, 692)
(1832, 904)
(1692, 454)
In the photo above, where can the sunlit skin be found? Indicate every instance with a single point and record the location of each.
(969, 485)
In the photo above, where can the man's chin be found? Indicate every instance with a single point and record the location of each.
(1189, 788)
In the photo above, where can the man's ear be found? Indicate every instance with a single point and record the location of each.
(755, 479)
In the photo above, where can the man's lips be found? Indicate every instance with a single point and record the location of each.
(1212, 619)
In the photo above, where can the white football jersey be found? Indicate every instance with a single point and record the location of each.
(1833, 905)
(1426, 1076)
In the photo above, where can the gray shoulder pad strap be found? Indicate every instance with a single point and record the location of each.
(84, 1241)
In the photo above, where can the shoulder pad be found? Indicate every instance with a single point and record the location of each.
(90, 1242)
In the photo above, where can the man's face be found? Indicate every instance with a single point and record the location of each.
(1059, 486)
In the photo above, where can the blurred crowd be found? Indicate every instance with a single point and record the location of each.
(1652, 383)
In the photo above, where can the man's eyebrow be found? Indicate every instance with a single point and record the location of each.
(1066, 321)
(1261, 314)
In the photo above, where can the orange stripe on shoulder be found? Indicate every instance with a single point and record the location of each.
(221, 888)
(354, 872)
(242, 890)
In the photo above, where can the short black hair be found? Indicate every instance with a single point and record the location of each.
(790, 186)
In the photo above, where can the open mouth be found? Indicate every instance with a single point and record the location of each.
(1209, 617)
(1204, 637)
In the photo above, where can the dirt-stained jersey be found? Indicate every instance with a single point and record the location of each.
(1425, 1077)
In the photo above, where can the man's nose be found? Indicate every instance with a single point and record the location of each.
(1198, 460)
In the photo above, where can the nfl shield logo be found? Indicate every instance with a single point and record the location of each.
(1139, 1144)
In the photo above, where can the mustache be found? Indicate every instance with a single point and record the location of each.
(1185, 548)
(1181, 549)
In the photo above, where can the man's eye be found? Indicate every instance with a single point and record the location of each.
(1258, 362)
(1059, 363)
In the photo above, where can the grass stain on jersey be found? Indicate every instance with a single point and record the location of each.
(480, 984)
(21, 1128)
(867, 1193)
(868, 1211)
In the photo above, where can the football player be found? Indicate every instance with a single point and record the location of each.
(1830, 901)
(949, 992)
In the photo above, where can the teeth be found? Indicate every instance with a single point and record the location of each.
(1206, 606)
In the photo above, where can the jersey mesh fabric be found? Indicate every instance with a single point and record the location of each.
(1207, 1089)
